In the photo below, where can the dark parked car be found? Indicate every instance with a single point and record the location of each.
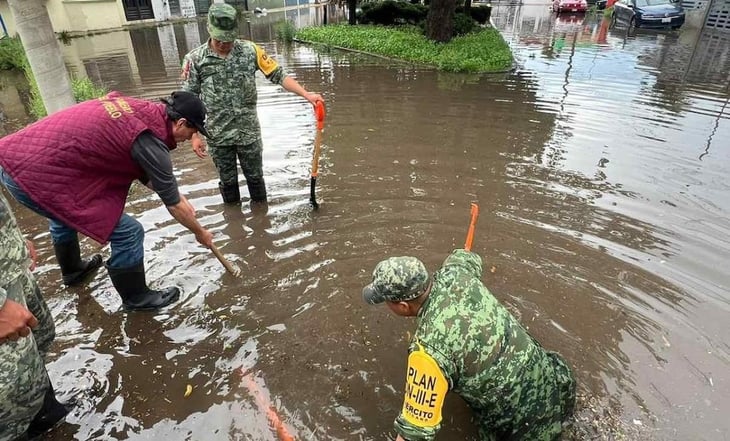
(649, 13)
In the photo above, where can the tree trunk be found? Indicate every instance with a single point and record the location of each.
(467, 7)
(44, 54)
(440, 20)
(351, 16)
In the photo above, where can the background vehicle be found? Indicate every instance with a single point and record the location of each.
(570, 6)
(649, 13)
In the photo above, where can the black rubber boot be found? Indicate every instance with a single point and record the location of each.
(256, 189)
(50, 414)
(230, 192)
(73, 268)
(136, 295)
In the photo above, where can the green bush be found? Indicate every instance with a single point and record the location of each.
(12, 54)
(285, 31)
(481, 13)
(463, 24)
(481, 51)
(83, 89)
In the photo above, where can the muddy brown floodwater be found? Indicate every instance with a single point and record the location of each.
(600, 166)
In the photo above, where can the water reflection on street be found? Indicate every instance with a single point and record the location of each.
(600, 167)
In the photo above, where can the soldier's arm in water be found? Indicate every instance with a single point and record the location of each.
(469, 261)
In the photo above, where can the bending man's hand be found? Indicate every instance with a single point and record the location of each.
(15, 321)
(205, 238)
(199, 146)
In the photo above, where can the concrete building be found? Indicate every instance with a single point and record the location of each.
(82, 16)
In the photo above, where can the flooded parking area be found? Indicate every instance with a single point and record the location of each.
(600, 165)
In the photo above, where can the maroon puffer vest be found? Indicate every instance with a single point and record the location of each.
(77, 163)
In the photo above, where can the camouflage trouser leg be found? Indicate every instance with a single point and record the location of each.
(23, 376)
(224, 158)
(543, 419)
(250, 157)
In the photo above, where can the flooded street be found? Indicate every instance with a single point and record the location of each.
(600, 166)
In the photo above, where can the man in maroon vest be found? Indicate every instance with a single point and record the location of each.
(76, 166)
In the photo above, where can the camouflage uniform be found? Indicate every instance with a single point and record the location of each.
(517, 390)
(227, 86)
(23, 376)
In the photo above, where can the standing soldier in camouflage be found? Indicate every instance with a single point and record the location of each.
(28, 405)
(222, 72)
(468, 343)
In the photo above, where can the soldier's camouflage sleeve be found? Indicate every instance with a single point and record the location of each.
(189, 76)
(465, 259)
(14, 258)
(268, 66)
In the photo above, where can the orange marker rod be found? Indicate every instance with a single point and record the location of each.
(274, 420)
(472, 226)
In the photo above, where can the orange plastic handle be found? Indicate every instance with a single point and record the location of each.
(319, 112)
(472, 226)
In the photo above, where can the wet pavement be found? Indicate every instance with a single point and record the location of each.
(599, 165)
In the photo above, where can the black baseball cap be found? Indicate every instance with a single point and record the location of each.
(190, 107)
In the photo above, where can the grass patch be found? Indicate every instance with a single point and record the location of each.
(12, 56)
(482, 51)
(285, 31)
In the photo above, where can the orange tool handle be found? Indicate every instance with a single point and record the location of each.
(274, 420)
(319, 112)
(472, 226)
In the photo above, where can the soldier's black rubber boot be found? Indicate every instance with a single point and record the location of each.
(73, 268)
(50, 414)
(230, 192)
(257, 189)
(136, 295)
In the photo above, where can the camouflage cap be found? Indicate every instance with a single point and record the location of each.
(397, 279)
(222, 22)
